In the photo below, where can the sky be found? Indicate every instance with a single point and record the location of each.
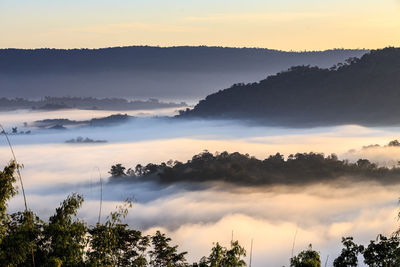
(285, 24)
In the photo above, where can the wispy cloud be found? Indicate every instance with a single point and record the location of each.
(277, 17)
(133, 26)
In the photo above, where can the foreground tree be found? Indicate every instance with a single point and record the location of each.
(19, 232)
(384, 252)
(306, 258)
(217, 256)
(114, 244)
(7, 191)
(349, 254)
(222, 257)
(234, 255)
(64, 236)
(20, 243)
(163, 255)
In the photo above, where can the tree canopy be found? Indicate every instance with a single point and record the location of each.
(242, 169)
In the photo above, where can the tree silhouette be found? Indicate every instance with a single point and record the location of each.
(65, 237)
(348, 256)
(117, 170)
(383, 252)
(306, 258)
(163, 255)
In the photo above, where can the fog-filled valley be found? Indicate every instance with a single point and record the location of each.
(197, 214)
(211, 133)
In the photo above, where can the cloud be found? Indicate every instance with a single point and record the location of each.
(195, 218)
(382, 155)
(322, 214)
(258, 17)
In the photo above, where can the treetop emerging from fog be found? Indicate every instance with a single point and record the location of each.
(236, 168)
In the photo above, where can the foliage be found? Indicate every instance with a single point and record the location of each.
(217, 256)
(7, 191)
(306, 258)
(307, 95)
(26, 240)
(383, 252)
(163, 255)
(113, 244)
(300, 168)
(65, 238)
(117, 170)
(222, 257)
(348, 256)
(394, 143)
(66, 241)
(23, 234)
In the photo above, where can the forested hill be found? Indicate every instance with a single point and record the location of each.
(160, 59)
(146, 72)
(362, 91)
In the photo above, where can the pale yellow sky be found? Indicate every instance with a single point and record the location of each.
(285, 25)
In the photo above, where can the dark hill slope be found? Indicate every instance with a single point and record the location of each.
(363, 91)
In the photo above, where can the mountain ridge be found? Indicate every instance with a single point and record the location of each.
(179, 73)
(361, 91)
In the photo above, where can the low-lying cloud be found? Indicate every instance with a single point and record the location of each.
(197, 216)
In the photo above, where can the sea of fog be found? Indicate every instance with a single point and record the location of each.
(195, 217)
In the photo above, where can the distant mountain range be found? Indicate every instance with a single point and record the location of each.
(55, 103)
(62, 124)
(361, 91)
(179, 73)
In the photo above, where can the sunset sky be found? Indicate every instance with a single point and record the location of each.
(284, 24)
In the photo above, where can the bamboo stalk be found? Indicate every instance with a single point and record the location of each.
(251, 251)
(101, 196)
(294, 240)
(326, 262)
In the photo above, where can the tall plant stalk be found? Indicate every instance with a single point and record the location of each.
(18, 167)
(101, 196)
(3, 131)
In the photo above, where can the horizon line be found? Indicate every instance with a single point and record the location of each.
(197, 46)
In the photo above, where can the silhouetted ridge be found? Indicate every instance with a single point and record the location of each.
(146, 72)
(362, 91)
(183, 58)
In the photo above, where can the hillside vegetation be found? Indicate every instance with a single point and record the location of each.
(361, 91)
(240, 169)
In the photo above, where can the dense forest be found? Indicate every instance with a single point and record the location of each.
(236, 168)
(64, 240)
(361, 91)
(55, 103)
(146, 72)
